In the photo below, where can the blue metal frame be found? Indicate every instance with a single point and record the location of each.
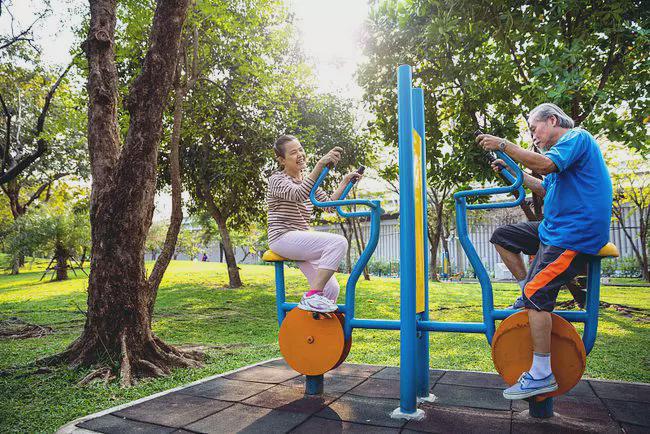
(422, 343)
(408, 320)
(414, 327)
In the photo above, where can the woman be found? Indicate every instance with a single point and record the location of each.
(318, 254)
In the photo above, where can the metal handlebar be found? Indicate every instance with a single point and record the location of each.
(341, 202)
(516, 185)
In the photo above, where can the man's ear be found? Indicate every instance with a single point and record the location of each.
(554, 120)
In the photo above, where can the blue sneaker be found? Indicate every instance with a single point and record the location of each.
(527, 386)
(518, 304)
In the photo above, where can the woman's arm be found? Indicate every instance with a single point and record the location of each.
(286, 189)
(356, 176)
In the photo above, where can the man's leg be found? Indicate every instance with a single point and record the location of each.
(513, 261)
(540, 330)
(510, 241)
(552, 268)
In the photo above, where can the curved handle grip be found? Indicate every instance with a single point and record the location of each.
(515, 186)
(341, 202)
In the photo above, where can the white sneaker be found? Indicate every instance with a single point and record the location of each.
(317, 303)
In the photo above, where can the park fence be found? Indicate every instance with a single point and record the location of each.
(385, 261)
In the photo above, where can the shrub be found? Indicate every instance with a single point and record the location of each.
(620, 267)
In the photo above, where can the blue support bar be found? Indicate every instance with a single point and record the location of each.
(279, 290)
(351, 285)
(377, 324)
(540, 409)
(592, 303)
(477, 264)
(408, 329)
(569, 315)
(422, 369)
(314, 385)
(457, 327)
(516, 183)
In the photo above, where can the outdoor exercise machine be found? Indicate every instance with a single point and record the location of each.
(314, 344)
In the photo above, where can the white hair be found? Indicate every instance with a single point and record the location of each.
(544, 111)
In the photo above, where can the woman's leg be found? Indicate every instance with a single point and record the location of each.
(310, 270)
(321, 248)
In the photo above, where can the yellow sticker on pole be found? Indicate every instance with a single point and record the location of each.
(418, 184)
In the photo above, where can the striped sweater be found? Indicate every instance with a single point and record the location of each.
(289, 207)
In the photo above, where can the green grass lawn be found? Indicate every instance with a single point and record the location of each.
(239, 327)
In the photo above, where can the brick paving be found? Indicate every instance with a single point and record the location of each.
(268, 398)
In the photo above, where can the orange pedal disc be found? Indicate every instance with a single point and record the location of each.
(348, 343)
(512, 352)
(311, 346)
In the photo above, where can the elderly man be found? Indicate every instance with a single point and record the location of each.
(577, 192)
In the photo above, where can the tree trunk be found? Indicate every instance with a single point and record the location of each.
(84, 252)
(169, 248)
(229, 252)
(118, 322)
(234, 279)
(15, 265)
(61, 255)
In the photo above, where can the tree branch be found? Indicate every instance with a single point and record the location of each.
(41, 144)
(42, 188)
(511, 48)
(5, 149)
(613, 59)
(21, 35)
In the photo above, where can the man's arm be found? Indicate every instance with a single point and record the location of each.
(536, 162)
(532, 160)
(533, 184)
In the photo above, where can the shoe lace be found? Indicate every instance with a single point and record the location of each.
(522, 379)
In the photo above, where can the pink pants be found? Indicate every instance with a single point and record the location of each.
(313, 250)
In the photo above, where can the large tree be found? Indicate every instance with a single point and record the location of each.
(486, 64)
(253, 75)
(50, 131)
(120, 297)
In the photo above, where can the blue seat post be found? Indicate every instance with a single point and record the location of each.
(593, 303)
(279, 290)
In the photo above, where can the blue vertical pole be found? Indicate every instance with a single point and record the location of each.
(592, 303)
(314, 384)
(279, 290)
(408, 325)
(422, 369)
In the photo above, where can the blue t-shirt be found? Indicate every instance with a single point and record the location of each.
(578, 201)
